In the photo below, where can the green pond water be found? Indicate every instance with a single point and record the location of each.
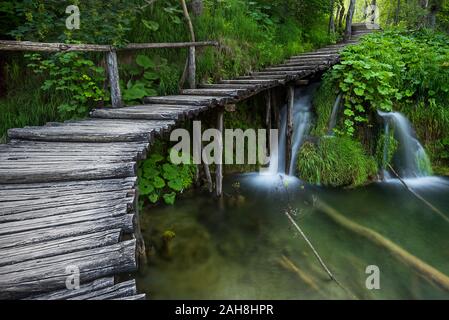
(237, 248)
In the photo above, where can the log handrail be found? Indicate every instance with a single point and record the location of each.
(10, 45)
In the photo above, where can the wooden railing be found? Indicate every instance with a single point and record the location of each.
(111, 56)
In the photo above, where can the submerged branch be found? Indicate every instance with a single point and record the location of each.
(427, 271)
(431, 206)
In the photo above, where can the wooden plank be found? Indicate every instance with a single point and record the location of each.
(120, 290)
(85, 288)
(189, 100)
(43, 275)
(250, 87)
(136, 297)
(281, 69)
(85, 184)
(150, 112)
(67, 172)
(263, 83)
(59, 247)
(46, 222)
(63, 200)
(118, 205)
(124, 223)
(95, 130)
(233, 93)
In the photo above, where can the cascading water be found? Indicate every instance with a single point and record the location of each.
(334, 115)
(302, 116)
(410, 160)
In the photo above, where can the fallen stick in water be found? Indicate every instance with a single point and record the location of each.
(289, 265)
(425, 270)
(431, 206)
(303, 235)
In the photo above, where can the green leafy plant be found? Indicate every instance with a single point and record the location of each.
(73, 75)
(143, 77)
(159, 179)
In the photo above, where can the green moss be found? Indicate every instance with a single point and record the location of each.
(323, 103)
(392, 145)
(335, 161)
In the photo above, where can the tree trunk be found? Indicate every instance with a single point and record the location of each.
(349, 17)
(197, 7)
(341, 15)
(434, 7)
(331, 17)
(398, 11)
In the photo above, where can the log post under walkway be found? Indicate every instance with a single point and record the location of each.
(219, 165)
(289, 127)
(114, 80)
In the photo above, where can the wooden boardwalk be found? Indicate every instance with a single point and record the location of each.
(68, 190)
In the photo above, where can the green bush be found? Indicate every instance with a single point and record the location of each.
(335, 161)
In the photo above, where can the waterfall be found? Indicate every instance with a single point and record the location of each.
(410, 160)
(334, 115)
(302, 117)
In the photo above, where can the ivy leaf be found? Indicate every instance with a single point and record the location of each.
(169, 198)
(159, 183)
(144, 61)
(153, 198)
(145, 187)
(170, 171)
(176, 184)
(359, 91)
(150, 25)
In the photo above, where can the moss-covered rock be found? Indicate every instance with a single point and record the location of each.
(335, 161)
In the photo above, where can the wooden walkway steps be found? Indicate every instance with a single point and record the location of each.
(68, 195)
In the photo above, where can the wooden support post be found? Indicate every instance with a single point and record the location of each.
(206, 169)
(289, 129)
(268, 120)
(112, 66)
(192, 68)
(140, 242)
(219, 166)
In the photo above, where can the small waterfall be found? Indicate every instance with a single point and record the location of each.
(410, 160)
(334, 115)
(302, 117)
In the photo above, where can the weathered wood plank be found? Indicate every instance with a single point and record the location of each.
(95, 130)
(43, 275)
(120, 290)
(131, 298)
(67, 172)
(233, 93)
(15, 227)
(68, 185)
(67, 294)
(250, 87)
(124, 223)
(59, 247)
(118, 205)
(189, 100)
(150, 112)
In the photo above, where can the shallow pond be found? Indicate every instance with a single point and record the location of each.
(244, 247)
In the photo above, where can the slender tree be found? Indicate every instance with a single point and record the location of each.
(349, 17)
(397, 13)
(341, 14)
(332, 17)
